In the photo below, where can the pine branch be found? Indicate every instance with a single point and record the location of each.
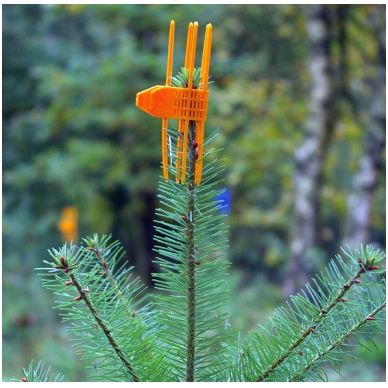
(339, 298)
(108, 334)
(107, 311)
(339, 342)
(315, 328)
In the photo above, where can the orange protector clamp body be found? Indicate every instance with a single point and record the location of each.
(184, 104)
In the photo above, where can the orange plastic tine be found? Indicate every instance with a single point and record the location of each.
(170, 53)
(185, 136)
(200, 136)
(164, 148)
(181, 158)
(170, 56)
(192, 49)
(206, 57)
(188, 44)
(179, 145)
(204, 78)
(190, 54)
(179, 152)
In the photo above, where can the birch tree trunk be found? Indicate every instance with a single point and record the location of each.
(360, 201)
(310, 155)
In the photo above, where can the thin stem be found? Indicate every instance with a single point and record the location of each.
(191, 303)
(100, 256)
(105, 329)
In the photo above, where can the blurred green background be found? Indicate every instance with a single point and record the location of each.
(72, 136)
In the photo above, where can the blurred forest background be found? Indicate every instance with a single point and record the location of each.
(298, 95)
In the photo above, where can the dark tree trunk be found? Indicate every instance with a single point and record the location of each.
(310, 155)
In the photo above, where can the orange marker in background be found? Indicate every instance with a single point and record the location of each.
(68, 224)
(184, 104)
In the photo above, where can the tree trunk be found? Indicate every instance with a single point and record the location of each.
(365, 180)
(310, 155)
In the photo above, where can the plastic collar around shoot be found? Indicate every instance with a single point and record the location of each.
(185, 104)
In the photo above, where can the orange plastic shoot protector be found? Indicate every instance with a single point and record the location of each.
(184, 104)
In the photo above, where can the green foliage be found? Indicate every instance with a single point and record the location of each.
(38, 374)
(96, 295)
(182, 79)
(124, 340)
(319, 326)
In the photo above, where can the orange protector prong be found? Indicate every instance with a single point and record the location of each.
(206, 57)
(180, 144)
(184, 152)
(164, 148)
(170, 53)
(170, 56)
(192, 48)
(188, 44)
(189, 61)
(204, 78)
(178, 164)
(200, 138)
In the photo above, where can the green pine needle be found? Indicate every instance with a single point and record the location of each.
(106, 310)
(38, 374)
(182, 79)
(318, 325)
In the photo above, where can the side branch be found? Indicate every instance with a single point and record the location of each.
(340, 340)
(337, 299)
(107, 332)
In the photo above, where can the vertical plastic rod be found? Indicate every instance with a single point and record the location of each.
(205, 65)
(188, 44)
(164, 148)
(200, 137)
(191, 60)
(170, 56)
(192, 49)
(181, 157)
(170, 53)
(178, 165)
